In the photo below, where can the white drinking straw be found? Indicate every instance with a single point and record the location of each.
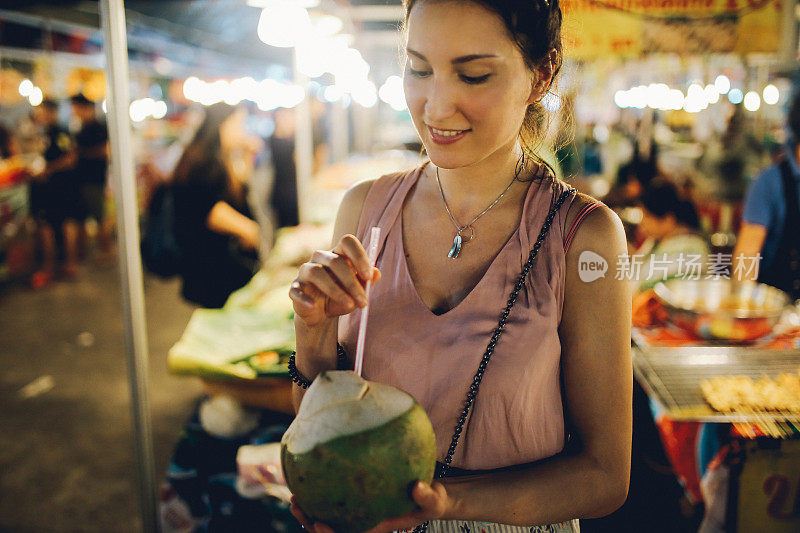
(372, 253)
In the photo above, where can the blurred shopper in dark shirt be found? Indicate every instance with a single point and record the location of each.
(634, 176)
(78, 192)
(656, 502)
(217, 236)
(91, 146)
(284, 193)
(670, 230)
(7, 143)
(740, 157)
(771, 219)
(59, 157)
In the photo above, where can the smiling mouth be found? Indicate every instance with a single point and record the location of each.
(447, 133)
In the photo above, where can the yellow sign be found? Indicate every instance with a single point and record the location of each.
(769, 491)
(90, 82)
(591, 31)
(628, 28)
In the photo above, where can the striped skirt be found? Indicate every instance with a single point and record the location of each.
(461, 526)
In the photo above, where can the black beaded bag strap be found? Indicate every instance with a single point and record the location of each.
(472, 393)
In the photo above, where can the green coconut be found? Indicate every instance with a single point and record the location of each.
(355, 450)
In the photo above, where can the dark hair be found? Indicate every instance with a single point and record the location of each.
(5, 143)
(535, 27)
(202, 157)
(639, 168)
(794, 117)
(80, 99)
(661, 198)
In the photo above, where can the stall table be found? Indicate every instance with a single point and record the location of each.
(672, 376)
(752, 479)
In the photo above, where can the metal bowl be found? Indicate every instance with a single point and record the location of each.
(722, 309)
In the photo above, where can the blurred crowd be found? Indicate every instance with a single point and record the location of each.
(225, 189)
(66, 164)
(228, 189)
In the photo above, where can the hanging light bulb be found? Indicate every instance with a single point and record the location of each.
(26, 88)
(284, 25)
(267, 3)
(735, 96)
(752, 101)
(326, 25)
(159, 109)
(723, 84)
(621, 99)
(711, 93)
(771, 95)
(36, 97)
(391, 92)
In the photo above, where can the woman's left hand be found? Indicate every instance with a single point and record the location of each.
(432, 500)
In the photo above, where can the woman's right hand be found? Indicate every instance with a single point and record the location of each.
(332, 282)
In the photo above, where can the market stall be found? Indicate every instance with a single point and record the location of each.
(240, 354)
(634, 56)
(712, 143)
(725, 392)
(15, 232)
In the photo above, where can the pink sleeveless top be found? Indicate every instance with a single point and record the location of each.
(517, 416)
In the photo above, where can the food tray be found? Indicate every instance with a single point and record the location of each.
(672, 376)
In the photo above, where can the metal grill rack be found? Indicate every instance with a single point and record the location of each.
(673, 376)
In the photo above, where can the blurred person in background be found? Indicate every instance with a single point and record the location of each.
(284, 197)
(259, 196)
(771, 219)
(673, 245)
(284, 192)
(8, 146)
(217, 236)
(634, 176)
(592, 158)
(58, 157)
(66, 211)
(91, 167)
(319, 136)
(671, 231)
(740, 155)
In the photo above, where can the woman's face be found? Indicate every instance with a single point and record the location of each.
(655, 226)
(464, 74)
(232, 130)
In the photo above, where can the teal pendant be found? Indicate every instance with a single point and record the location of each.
(456, 248)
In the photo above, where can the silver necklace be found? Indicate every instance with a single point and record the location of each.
(461, 238)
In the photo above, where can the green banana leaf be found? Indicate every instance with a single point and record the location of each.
(225, 343)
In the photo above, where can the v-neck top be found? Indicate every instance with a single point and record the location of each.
(517, 416)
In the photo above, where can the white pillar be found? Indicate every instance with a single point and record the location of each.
(362, 128)
(340, 131)
(115, 45)
(303, 144)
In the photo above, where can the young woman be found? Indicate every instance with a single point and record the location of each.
(671, 229)
(547, 437)
(213, 228)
